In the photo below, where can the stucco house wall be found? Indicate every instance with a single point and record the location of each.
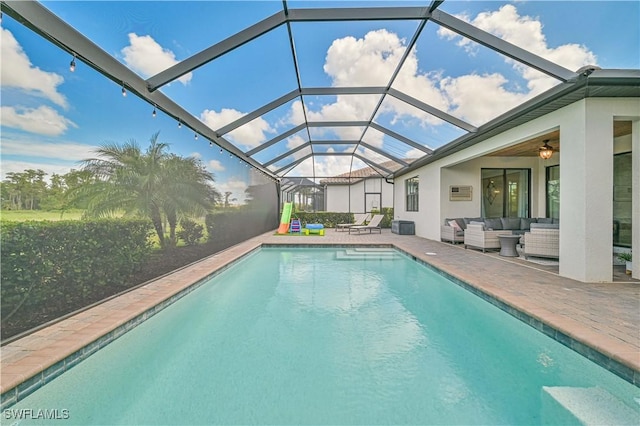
(351, 198)
(586, 175)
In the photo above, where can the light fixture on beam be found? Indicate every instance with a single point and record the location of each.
(179, 124)
(195, 136)
(153, 114)
(546, 151)
(124, 92)
(72, 64)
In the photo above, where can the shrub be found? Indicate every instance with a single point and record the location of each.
(328, 219)
(331, 219)
(191, 232)
(61, 266)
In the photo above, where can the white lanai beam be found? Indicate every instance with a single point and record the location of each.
(383, 153)
(338, 123)
(286, 154)
(294, 57)
(293, 164)
(432, 110)
(257, 113)
(336, 142)
(504, 47)
(274, 21)
(277, 139)
(323, 91)
(401, 138)
(425, 13)
(372, 164)
(50, 27)
(357, 14)
(215, 51)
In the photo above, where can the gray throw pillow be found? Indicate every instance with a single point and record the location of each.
(510, 223)
(468, 220)
(493, 224)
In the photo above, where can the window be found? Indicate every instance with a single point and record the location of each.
(553, 192)
(505, 192)
(411, 190)
(622, 194)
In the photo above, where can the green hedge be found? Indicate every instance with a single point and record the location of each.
(330, 219)
(388, 216)
(49, 266)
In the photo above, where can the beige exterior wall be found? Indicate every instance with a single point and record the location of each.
(351, 198)
(586, 157)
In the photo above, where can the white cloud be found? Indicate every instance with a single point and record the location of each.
(18, 72)
(369, 61)
(215, 166)
(326, 165)
(145, 56)
(42, 120)
(414, 153)
(250, 135)
(526, 32)
(469, 95)
(476, 97)
(55, 151)
(21, 152)
(294, 142)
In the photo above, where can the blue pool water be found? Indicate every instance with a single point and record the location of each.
(335, 336)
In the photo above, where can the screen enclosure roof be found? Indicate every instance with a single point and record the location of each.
(321, 89)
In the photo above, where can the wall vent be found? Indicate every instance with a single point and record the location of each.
(460, 193)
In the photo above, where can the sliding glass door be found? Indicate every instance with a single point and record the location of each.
(506, 192)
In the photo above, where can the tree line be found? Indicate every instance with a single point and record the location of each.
(122, 179)
(28, 190)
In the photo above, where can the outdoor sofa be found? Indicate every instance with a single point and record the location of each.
(482, 233)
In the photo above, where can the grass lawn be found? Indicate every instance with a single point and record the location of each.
(24, 215)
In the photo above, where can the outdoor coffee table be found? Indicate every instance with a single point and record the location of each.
(508, 245)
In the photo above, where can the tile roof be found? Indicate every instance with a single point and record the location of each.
(360, 174)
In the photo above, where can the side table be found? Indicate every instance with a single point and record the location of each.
(508, 245)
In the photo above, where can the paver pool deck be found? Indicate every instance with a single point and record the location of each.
(600, 320)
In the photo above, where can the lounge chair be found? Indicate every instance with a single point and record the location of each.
(359, 219)
(374, 224)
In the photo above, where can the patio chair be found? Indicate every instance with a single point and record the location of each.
(359, 219)
(542, 241)
(374, 224)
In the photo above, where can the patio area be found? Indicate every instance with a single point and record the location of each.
(598, 320)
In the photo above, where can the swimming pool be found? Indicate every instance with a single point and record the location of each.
(334, 336)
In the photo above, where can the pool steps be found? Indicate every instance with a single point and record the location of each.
(586, 406)
(371, 253)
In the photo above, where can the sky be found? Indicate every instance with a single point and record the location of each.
(52, 118)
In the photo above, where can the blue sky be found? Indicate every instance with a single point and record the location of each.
(52, 118)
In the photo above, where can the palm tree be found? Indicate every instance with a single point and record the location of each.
(153, 184)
